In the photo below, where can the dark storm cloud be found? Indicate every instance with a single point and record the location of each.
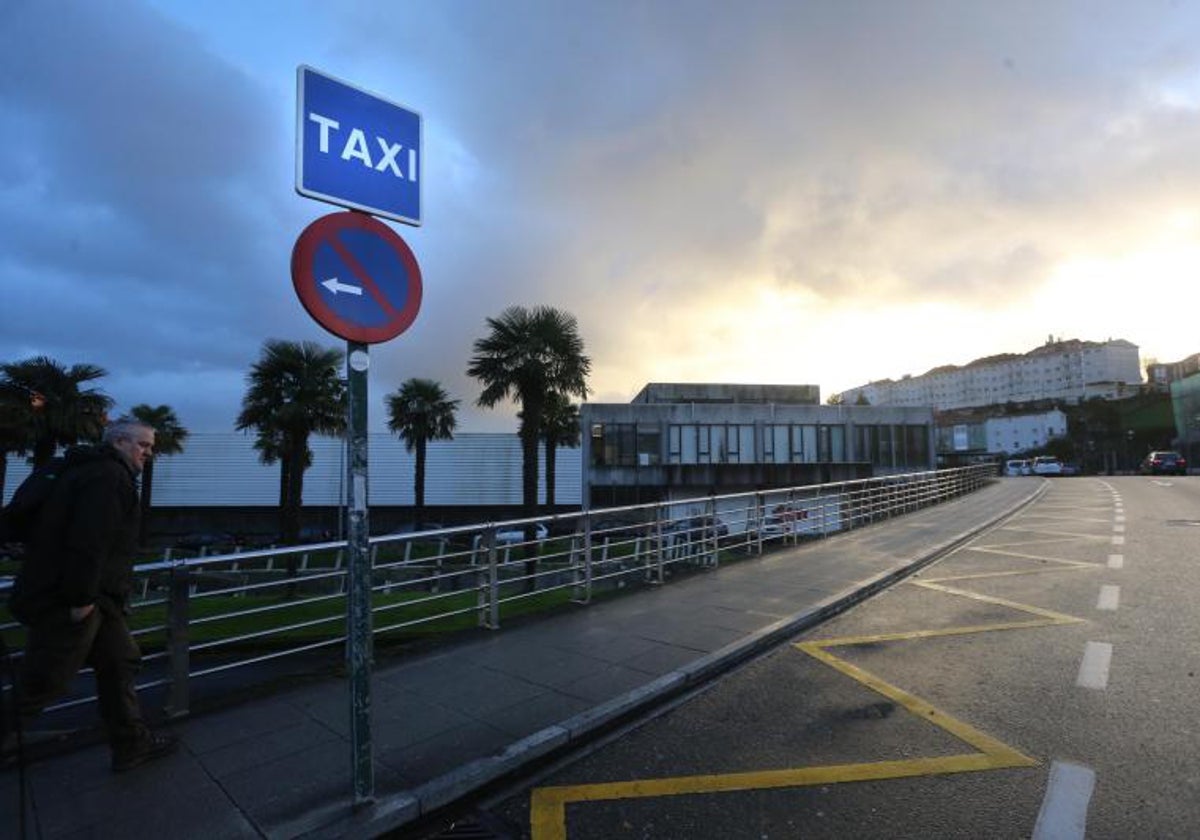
(637, 164)
(136, 204)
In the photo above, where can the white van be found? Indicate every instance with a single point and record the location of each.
(1047, 465)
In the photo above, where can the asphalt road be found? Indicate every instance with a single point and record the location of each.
(1042, 676)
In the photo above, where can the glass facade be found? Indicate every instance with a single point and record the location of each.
(703, 443)
(894, 446)
(630, 444)
(626, 445)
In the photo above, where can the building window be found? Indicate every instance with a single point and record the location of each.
(710, 444)
(916, 446)
(789, 444)
(614, 444)
(649, 446)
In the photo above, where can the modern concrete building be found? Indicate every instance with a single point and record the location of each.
(682, 441)
(1070, 371)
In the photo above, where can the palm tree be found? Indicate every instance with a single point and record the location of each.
(294, 390)
(560, 427)
(421, 411)
(169, 436)
(62, 413)
(15, 420)
(530, 354)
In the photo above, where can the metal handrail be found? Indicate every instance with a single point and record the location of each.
(470, 570)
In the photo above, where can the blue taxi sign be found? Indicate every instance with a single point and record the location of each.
(356, 277)
(356, 149)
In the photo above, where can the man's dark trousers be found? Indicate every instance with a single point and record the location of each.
(55, 650)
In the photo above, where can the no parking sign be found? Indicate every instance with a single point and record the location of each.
(356, 277)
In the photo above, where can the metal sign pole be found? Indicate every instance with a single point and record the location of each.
(358, 591)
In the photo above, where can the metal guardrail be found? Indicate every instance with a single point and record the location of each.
(198, 617)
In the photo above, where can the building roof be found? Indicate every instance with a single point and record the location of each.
(710, 392)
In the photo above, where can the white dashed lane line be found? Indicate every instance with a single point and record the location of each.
(1110, 597)
(1093, 671)
(1116, 561)
(1064, 810)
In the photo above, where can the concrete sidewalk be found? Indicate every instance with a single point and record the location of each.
(447, 723)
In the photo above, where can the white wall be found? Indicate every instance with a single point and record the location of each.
(222, 468)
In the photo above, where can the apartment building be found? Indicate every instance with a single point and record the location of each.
(1067, 370)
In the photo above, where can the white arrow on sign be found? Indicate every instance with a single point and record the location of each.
(335, 286)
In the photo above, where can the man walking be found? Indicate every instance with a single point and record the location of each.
(72, 590)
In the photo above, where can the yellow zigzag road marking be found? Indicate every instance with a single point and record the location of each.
(1023, 556)
(548, 805)
(1058, 536)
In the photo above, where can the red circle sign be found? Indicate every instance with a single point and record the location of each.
(356, 277)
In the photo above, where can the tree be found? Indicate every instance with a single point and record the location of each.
(421, 411)
(15, 421)
(560, 427)
(528, 355)
(62, 413)
(169, 436)
(835, 399)
(294, 390)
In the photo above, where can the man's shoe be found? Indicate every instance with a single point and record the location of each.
(150, 746)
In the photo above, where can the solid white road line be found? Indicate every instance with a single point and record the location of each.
(1064, 810)
(1093, 671)
(1110, 596)
(1116, 561)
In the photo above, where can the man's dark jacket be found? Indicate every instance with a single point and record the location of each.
(81, 550)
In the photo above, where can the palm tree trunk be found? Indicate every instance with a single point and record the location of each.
(144, 501)
(285, 484)
(529, 482)
(419, 486)
(551, 455)
(43, 451)
(297, 450)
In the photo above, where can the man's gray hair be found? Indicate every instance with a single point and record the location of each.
(123, 429)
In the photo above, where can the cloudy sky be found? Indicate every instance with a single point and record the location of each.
(786, 192)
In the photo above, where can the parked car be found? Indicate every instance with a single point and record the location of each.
(774, 525)
(1046, 465)
(1070, 469)
(210, 543)
(517, 534)
(412, 527)
(1164, 463)
(1017, 466)
(697, 527)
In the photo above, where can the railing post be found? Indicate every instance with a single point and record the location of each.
(178, 694)
(493, 584)
(716, 536)
(583, 589)
(759, 514)
(660, 550)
